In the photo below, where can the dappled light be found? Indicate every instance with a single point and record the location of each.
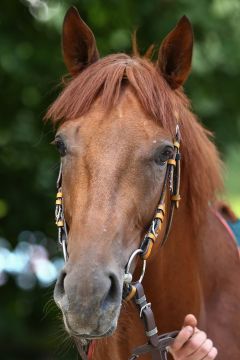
(28, 263)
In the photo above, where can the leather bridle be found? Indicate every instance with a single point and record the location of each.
(156, 345)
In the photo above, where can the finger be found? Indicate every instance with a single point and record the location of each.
(202, 351)
(183, 336)
(212, 354)
(193, 344)
(190, 320)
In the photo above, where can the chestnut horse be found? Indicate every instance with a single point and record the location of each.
(117, 119)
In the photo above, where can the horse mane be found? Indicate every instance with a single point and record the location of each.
(106, 80)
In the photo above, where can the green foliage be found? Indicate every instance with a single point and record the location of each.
(31, 68)
(232, 176)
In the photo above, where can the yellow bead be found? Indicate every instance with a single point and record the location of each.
(131, 294)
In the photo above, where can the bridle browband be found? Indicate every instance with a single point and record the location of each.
(156, 345)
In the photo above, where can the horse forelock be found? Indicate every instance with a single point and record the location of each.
(106, 80)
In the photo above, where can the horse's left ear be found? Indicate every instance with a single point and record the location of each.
(78, 43)
(175, 54)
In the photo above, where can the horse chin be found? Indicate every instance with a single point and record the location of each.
(97, 336)
(87, 333)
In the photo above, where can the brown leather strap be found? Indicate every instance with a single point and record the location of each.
(157, 345)
(147, 315)
(169, 224)
(159, 353)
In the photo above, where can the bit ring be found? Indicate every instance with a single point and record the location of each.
(128, 274)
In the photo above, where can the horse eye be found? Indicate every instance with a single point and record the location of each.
(60, 146)
(164, 155)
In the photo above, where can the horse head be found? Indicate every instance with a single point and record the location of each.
(117, 119)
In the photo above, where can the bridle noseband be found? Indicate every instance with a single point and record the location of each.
(156, 345)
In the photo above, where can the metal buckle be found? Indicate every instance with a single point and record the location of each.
(148, 305)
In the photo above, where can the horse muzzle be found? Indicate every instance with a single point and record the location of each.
(91, 303)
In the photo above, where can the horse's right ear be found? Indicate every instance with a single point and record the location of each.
(78, 43)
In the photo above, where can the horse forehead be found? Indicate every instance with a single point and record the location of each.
(123, 127)
(126, 120)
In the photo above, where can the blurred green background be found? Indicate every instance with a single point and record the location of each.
(31, 68)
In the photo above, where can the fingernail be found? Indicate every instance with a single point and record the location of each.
(189, 329)
(169, 349)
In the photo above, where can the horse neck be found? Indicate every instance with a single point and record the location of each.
(172, 281)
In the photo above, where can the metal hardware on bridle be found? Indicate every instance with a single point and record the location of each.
(128, 275)
(59, 216)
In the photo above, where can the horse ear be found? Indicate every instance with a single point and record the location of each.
(175, 54)
(78, 43)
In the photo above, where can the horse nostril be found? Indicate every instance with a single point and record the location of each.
(59, 290)
(112, 293)
(113, 290)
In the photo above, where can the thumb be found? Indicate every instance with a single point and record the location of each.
(190, 320)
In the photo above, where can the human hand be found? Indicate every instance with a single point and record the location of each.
(192, 343)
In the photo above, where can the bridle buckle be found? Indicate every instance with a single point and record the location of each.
(146, 306)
